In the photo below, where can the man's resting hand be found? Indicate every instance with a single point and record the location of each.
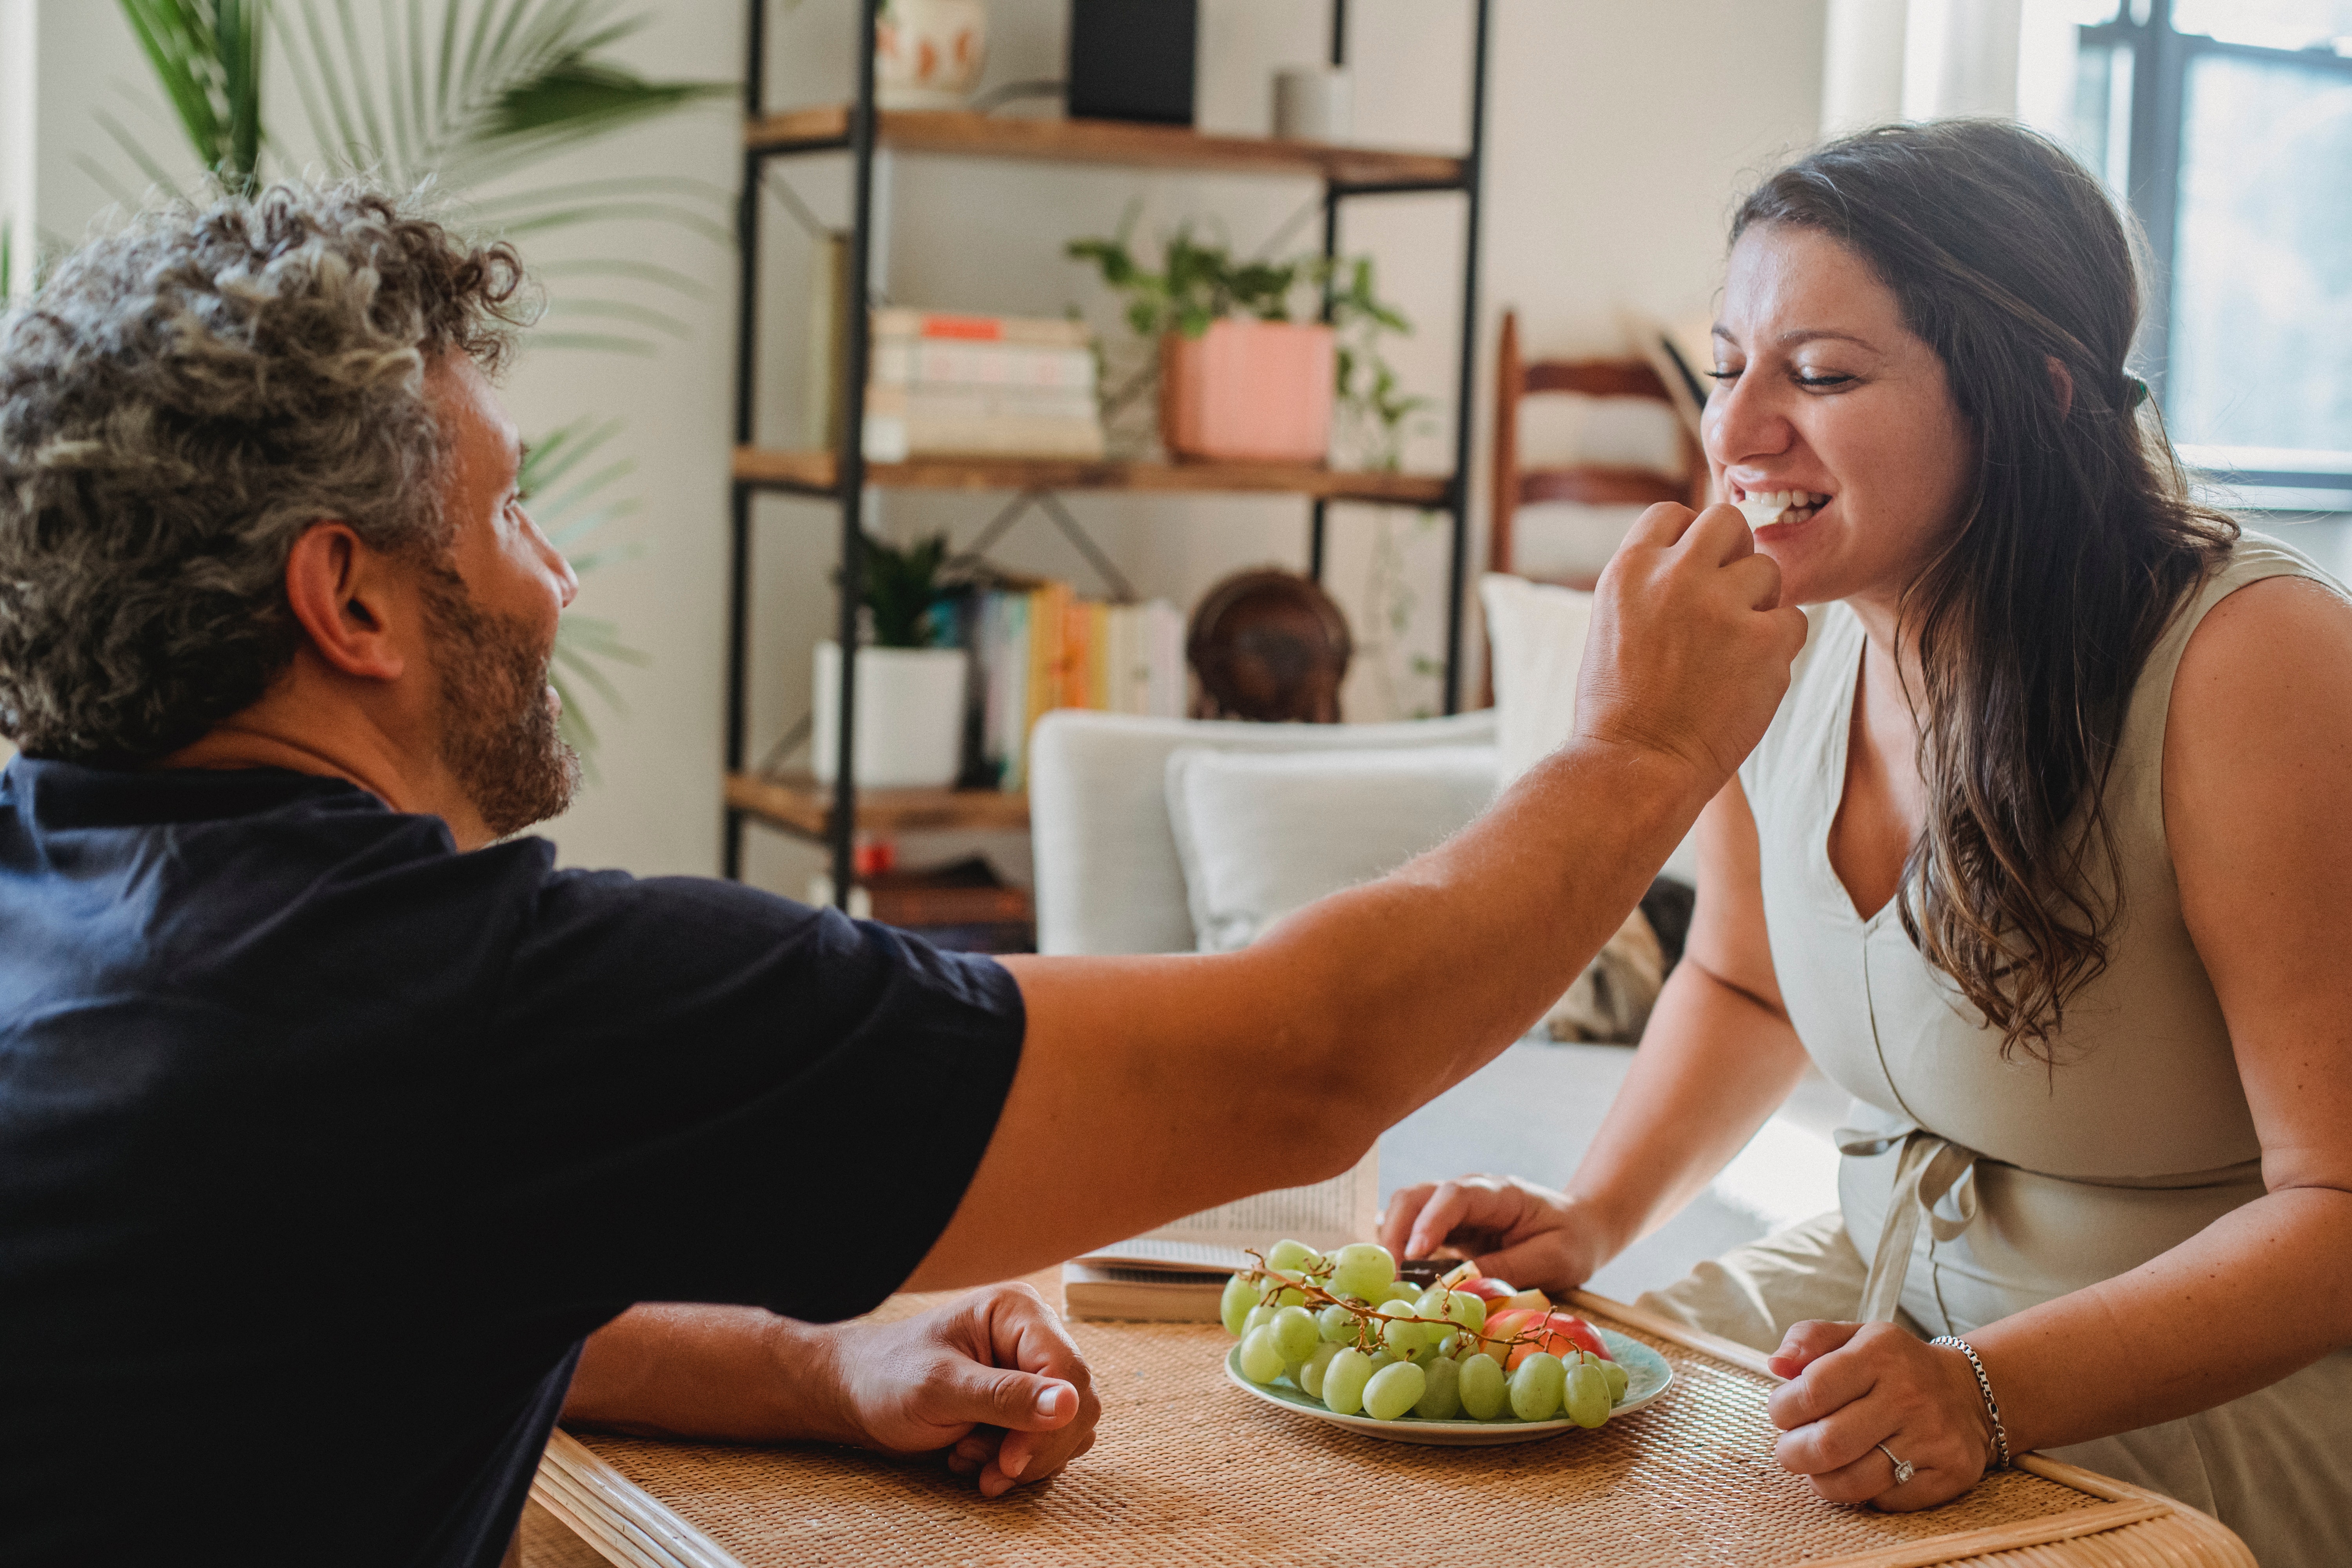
(995, 1374)
(992, 1377)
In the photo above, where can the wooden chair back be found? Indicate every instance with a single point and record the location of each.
(1588, 484)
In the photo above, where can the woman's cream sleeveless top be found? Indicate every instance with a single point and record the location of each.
(1995, 1185)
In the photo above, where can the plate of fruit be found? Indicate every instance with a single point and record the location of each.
(1462, 1360)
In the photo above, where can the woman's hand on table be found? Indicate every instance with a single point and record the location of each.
(1854, 1387)
(1510, 1228)
(993, 1378)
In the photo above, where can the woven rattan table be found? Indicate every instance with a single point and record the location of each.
(1190, 1470)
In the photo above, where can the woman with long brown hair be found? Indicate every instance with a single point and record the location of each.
(2045, 859)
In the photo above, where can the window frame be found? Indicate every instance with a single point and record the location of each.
(2161, 58)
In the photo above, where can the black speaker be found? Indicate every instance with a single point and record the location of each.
(1132, 59)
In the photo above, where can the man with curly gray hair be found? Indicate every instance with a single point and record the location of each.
(253, 479)
(340, 1132)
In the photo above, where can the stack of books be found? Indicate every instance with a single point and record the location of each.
(1177, 1274)
(1039, 647)
(944, 386)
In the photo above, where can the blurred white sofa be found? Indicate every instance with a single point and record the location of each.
(1110, 877)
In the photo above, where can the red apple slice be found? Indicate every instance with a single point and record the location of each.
(1556, 1333)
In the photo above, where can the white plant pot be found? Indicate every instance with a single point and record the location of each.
(910, 711)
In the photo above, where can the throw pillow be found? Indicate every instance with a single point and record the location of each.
(1260, 834)
(1536, 639)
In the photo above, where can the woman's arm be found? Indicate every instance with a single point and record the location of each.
(1718, 1056)
(2257, 791)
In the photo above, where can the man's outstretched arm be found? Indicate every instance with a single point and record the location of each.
(1151, 1086)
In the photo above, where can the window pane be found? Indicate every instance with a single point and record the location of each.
(2274, 24)
(2100, 133)
(2261, 299)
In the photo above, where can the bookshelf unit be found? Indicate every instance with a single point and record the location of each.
(834, 813)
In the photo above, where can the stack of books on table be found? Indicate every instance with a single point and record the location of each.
(1039, 647)
(944, 386)
(1177, 1274)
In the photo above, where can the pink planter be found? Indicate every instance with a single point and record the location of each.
(1248, 391)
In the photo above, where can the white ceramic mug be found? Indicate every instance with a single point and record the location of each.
(927, 54)
(1311, 103)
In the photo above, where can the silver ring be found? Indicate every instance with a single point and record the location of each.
(1902, 1467)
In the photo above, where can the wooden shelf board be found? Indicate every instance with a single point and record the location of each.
(816, 472)
(798, 803)
(1119, 142)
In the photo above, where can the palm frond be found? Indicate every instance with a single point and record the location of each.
(594, 343)
(605, 212)
(206, 57)
(622, 310)
(135, 151)
(653, 272)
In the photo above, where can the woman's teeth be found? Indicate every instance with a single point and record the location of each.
(1766, 506)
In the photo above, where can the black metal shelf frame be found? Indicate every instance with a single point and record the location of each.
(849, 489)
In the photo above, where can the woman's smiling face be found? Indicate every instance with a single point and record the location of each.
(1821, 390)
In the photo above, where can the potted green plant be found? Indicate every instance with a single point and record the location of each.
(910, 694)
(1239, 380)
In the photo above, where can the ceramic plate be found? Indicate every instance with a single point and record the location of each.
(1647, 1377)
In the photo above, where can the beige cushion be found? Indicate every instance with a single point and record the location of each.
(1262, 834)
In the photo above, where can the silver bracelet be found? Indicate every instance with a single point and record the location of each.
(1984, 1386)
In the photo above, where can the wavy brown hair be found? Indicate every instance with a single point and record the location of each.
(2079, 544)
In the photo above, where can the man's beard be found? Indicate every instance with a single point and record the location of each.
(498, 736)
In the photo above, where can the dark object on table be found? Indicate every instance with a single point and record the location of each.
(1667, 907)
(1132, 59)
(1270, 645)
(961, 907)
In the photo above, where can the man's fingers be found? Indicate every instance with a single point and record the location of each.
(1025, 1333)
(1016, 1401)
(1720, 535)
(1758, 583)
(1663, 525)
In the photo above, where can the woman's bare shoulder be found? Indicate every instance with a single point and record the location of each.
(2260, 709)
(2284, 638)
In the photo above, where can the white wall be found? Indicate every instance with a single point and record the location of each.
(1620, 134)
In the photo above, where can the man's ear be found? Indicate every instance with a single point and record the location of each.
(2062, 385)
(340, 592)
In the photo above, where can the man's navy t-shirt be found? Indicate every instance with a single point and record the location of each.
(322, 1146)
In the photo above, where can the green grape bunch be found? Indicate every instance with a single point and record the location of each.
(1346, 1330)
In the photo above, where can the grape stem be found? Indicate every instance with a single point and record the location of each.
(1308, 1283)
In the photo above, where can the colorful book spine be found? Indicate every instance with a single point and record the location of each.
(1039, 649)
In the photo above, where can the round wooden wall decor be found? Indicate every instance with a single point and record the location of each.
(1268, 644)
